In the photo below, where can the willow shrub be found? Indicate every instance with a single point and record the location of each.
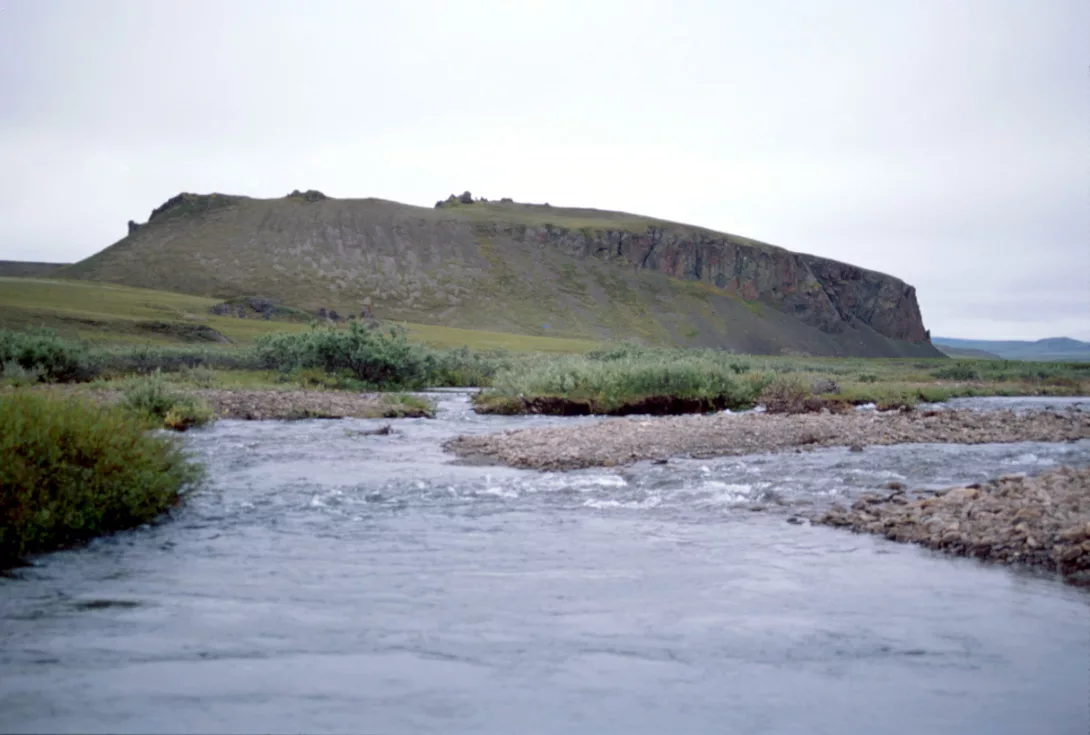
(71, 470)
(616, 382)
(46, 354)
(376, 357)
(158, 401)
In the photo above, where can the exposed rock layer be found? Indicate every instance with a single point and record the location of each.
(823, 293)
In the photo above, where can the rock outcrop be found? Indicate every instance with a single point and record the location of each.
(310, 195)
(185, 203)
(823, 293)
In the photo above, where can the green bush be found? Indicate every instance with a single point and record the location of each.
(957, 371)
(609, 385)
(71, 470)
(620, 351)
(157, 401)
(377, 357)
(462, 368)
(55, 359)
(200, 376)
(147, 359)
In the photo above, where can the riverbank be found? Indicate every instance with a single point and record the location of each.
(624, 441)
(1042, 522)
(271, 404)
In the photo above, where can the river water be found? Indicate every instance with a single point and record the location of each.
(326, 581)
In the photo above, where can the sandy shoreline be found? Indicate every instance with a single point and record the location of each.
(617, 442)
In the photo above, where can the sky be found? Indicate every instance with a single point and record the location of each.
(946, 143)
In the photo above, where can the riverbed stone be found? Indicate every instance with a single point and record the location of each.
(1039, 521)
(625, 440)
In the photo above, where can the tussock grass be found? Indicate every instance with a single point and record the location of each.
(71, 470)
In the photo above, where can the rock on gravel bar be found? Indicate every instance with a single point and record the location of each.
(623, 441)
(1042, 522)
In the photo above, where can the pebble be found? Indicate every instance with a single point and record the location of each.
(612, 442)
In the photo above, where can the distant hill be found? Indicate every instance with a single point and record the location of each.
(27, 269)
(967, 353)
(518, 268)
(1051, 349)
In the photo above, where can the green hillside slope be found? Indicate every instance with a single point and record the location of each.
(517, 268)
(108, 313)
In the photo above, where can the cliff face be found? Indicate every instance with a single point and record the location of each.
(516, 267)
(823, 293)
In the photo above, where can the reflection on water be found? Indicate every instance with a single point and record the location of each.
(327, 581)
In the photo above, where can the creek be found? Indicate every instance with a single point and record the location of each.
(324, 580)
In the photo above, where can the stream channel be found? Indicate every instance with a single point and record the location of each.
(327, 581)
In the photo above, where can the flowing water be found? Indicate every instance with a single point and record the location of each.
(325, 581)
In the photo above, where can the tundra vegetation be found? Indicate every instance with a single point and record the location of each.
(71, 470)
(165, 382)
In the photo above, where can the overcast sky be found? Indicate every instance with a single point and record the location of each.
(947, 143)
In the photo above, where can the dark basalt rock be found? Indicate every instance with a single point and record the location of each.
(310, 195)
(186, 203)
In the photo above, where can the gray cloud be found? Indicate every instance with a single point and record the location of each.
(944, 143)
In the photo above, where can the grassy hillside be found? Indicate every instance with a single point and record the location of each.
(113, 314)
(27, 269)
(1052, 349)
(491, 266)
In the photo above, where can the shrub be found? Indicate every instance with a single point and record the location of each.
(957, 371)
(153, 398)
(146, 359)
(785, 394)
(20, 377)
(609, 385)
(201, 376)
(462, 368)
(377, 357)
(620, 351)
(319, 379)
(71, 470)
(56, 359)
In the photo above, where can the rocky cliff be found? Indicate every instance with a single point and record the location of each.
(517, 267)
(823, 293)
